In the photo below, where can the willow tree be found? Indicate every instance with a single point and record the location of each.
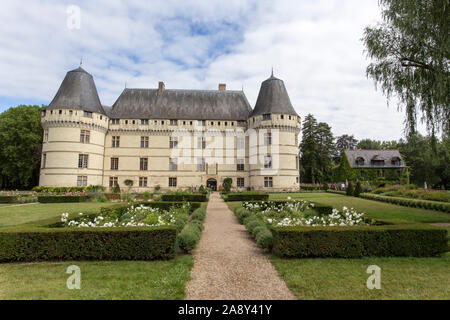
(410, 55)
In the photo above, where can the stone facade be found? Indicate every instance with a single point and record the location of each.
(93, 146)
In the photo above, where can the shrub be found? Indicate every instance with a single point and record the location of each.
(227, 184)
(241, 214)
(190, 235)
(358, 189)
(8, 199)
(350, 189)
(199, 214)
(264, 239)
(184, 196)
(41, 244)
(322, 210)
(146, 196)
(61, 199)
(325, 186)
(165, 205)
(247, 196)
(353, 242)
(444, 207)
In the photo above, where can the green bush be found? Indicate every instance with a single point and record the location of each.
(8, 199)
(146, 196)
(247, 196)
(184, 196)
(358, 189)
(353, 242)
(50, 244)
(62, 199)
(311, 187)
(322, 209)
(190, 236)
(264, 239)
(241, 214)
(166, 205)
(227, 182)
(350, 189)
(199, 214)
(325, 186)
(424, 204)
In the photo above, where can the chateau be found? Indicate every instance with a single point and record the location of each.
(170, 138)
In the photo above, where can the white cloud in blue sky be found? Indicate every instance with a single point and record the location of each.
(314, 46)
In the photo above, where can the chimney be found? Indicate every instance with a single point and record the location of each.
(222, 87)
(161, 87)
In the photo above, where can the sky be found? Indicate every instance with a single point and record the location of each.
(314, 46)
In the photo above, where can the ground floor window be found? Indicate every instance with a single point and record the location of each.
(172, 182)
(82, 181)
(142, 181)
(113, 182)
(296, 179)
(268, 182)
(240, 182)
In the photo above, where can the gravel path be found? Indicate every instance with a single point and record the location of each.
(227, 263)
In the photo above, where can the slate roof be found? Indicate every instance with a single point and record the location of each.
(77, 91)
(181, 104)
(273, 98)
(369, 155)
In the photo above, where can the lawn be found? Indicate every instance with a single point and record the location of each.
(34, 213)
(376, 209)
(401, 278)
(154, 280)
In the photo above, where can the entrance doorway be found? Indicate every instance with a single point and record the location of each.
(212, 184)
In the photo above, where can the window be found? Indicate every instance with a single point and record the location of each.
(60, 111)
(268, 182)
(240, 165)
(201, 164)
(243, 123)
(126, 121)
(83, 160)
(143, 164)
(87, 114)
(359, 161)
(362, 173)
(44, 113)
(70, 112)
(144, 142)
(226, 123)
(134, 122)
(142, 181)
(173, 122)
(46, 135)
(113, 182)
(115, 121)
(296, 179)
(266, 116)
(172, 182)
(44, 160)
(212, 123)
(268, 162)
(289, 117)
(114, 163)
(218, 123)
(82, 181)
(282, 117)
(85, 136)
(201, 123)
(240, 141)
(115, 141)
(144, 121)
(267, 139)
(184, 123)
(396, 161)
(173, 142)
(240, 182)
(173, 164)
(296, 162)
(201, 143)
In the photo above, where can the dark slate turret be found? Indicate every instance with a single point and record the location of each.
(273, 98)
(77, 91)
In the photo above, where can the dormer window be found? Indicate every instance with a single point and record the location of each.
(360, 161)
(266, 116)
(377, 161)
(396, 161)
(173, 122)
(87, 114)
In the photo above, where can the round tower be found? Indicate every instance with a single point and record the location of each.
(75, 125)
(273, 139)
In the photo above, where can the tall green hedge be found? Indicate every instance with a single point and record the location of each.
(62, 199)
(353, 242)
(424, 204)
(246, 196)
(42, 244)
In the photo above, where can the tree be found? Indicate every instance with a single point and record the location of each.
(345, 142)
(309, 149)
(326, 151)
(368, 144)
(20, 147)
(227, 182)
(410, 53)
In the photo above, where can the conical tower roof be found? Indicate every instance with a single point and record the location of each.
(77, 91)
(273, 98)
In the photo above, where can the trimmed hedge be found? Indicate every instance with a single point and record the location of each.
(50, 244)
(256, 227)
(246, 196)
(62, 199)
(191, 233)
(424, 204)
(312, 187)
(165, 205)
(354, 242)
(322, 209)
(8, 199)
(191, 197)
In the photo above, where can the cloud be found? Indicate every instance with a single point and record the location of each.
(314, 46)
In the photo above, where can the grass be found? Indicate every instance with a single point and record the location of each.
(34, 213)
(376, 209)
(154, 280)
(401, 278)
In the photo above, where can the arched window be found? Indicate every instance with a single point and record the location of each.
(396, 161)
(360, 161)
